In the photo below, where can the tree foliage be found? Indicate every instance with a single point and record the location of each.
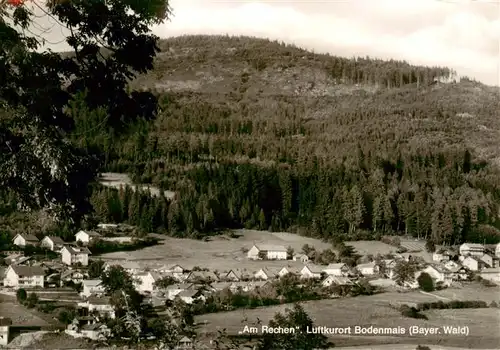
(299, 320)
(39, 161)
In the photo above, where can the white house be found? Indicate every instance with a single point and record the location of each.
(74, 255)
(5, 324)
(190, 296)
(86, 236)
(459, 273)
(287, 270)
(497, 250)
(311, 272)
(368, 269)
(74, 276)
(441, 255)
(472, 249)
(53, 243)
(389, 266)
(145, 282)
(339, 269)
(129, 266)
(437, 273)
(473, 264)
(451, 265)
(491, 274)
(176, 271)
(24, 276)
(336, 280)
(93, 330)
(22, 240)
(194, 276)
(489, 260)
(90, 287)
(269, 252)
(173, 290)
(101, 305)
(301, 257)
(266, 274)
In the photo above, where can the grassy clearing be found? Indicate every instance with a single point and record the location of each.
(221, 253)
(21, 315)
(375, 311)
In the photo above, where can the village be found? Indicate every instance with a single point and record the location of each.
(196, 285)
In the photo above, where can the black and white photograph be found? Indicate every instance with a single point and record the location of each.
(250, 175)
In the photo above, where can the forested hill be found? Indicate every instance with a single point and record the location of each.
(260, 134)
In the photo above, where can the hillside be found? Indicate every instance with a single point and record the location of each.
(326, 145)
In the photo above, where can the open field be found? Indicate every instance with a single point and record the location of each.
(372, 247)
(118, 179)
(376, 311)
(221, 253)
(20, 315)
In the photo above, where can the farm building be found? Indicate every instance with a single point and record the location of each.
(339, 269)
(497, 250)
(22, 240)
(53, 243)
(24, 276)
(75, 255)
(269, 252)
(491, 274)
(86, 236)
(471, 249)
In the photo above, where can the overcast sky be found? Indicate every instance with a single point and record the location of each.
(461, 34)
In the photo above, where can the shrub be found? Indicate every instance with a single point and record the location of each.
(31, 301)
(430, 246)
(412, 312)
(422, 347)
(493, 304)
(425, 282)
(66, 316)
(21, 295)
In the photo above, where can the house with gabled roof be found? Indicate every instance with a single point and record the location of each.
(19, 276)
(368, 269)
(473, 263)
(266, 273)
(130, 266)
(268, 252)
(472, 249)
(311, 271)
(86, 236)
(257, 285)
(144, 282)
(489, 260)
(338, 269)
(208, 276)
(24, 239)
(53, 243)
(75, 255)
(99, 304)
(437, 273)
(174, 289)
(236, 275)
(92, 287)
(441, 255)
(286, 270)
(190, 296)
(300, 257)
(220, 286)
(336, 280)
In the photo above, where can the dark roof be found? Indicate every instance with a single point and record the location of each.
(4, 321)
(56, 239)
(92, 327)
(77, 250)
(28, 237)
(28, 270)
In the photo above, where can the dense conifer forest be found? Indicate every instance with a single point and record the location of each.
(258, 134)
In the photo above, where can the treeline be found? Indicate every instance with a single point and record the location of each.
(445, 197)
